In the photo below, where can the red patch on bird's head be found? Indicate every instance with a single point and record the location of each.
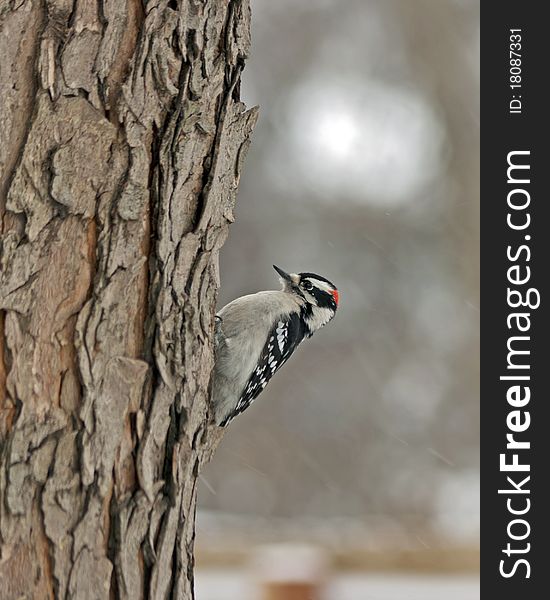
(335, 296)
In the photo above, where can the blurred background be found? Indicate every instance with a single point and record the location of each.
(362, 453)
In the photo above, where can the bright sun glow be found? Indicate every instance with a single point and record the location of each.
(368, 142)
(336, 134)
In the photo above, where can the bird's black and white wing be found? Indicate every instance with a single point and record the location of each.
(281, 342)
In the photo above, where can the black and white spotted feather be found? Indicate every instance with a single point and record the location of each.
(283, 339)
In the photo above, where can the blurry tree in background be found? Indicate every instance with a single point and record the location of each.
(122, 139)
(365, 169)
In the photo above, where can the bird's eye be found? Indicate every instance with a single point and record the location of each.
(307, 285)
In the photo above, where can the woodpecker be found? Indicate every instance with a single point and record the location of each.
(256, 334)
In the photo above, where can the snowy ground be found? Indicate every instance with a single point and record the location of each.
(236, 585)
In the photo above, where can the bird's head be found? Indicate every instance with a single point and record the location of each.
(319, 296)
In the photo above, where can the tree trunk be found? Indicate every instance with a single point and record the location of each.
(121, 143)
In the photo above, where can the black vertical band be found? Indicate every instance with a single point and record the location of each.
(515, 257)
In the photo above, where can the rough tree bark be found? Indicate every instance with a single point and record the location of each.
(122, 139)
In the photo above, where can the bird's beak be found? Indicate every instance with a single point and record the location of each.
(283, 274)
